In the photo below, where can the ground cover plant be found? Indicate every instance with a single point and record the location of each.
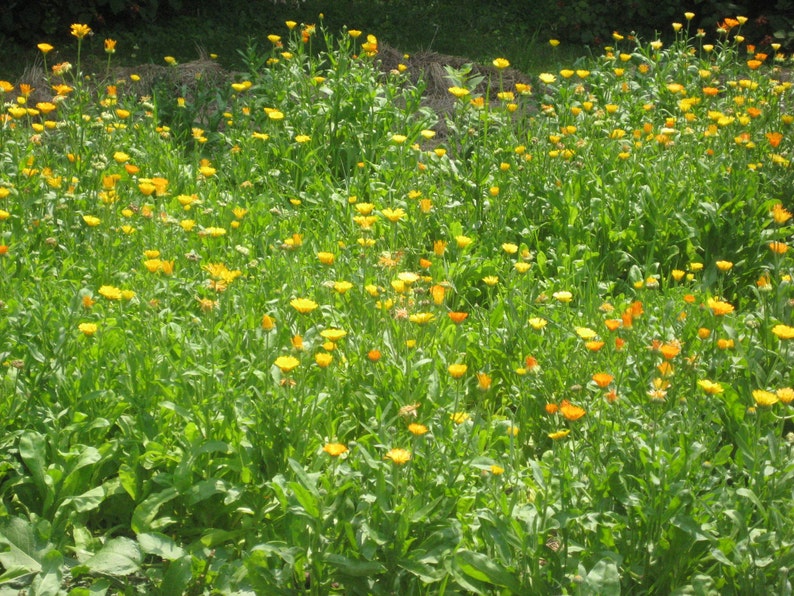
(301, 333)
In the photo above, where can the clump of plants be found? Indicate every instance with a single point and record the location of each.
(301, 333)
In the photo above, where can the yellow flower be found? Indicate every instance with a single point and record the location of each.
(91, 221)
(398, 456)
(421, 318)
(459, 417)
(393, 215)
(110, 46)
(110, 292)
(326, 258)
(80, 31)
(537, 323)
(459, 92)
(335, 449)
(785, 394)
(456, 371)
(87, 329)
(323, 359)
(342, 286)
(764, 398)
(724, 265)
(417, 429)
(783, 331)
(490, 280)
(303, 305)
(501, 63)
(563, 296)
(333, 334)
(554, 42)
(710, 387)
(286, 363)
(497, 470)
(560, 434)
(547, 78)
(45, 48)
(463, 241)
(585, 333)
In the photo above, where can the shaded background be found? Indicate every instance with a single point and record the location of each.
(149, 29)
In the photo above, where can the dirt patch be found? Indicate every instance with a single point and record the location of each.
(185, 79)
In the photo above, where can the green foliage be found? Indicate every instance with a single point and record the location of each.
(301, 333)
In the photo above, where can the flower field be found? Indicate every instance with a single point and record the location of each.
(304, 334)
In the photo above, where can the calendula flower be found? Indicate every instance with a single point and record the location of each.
(335, 449)
(87, 329)
(585, 333)
(602, 379)
(537, 323)
(718, 307)
(323, 359)
(110, 292)
(501, 63)
(570, 411)
(398, 456)
(459, 417)
(710, 387)
(417, 429)
(303, 305)
(456, 371)
(286, 363)
(457, 317)
(785, 394)
(560, 434)
(783, 331)
(547, 78)
(80, 31)
(562, 296)
(764, 398)
(333, 334)
(421, 318)
(459, 92)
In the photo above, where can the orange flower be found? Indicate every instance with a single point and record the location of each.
(778, 248)
(552, 408)
(458, 317)
(718, 307)
(335, 449)
(670, 350)
(571, 411)
(602, 379)
(373, 355)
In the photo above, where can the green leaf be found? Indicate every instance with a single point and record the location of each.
(481, 567)
(177, 577)
(158, 544)
(352, 567)
(20, 556)
(604, 578)
(143, 518)
(119, 557)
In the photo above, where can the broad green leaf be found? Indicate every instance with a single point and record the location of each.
(118, 557)
(19, 555)
(483, 568)
(177, 577)
(155, 543)
(143, 518)
(604, 578)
